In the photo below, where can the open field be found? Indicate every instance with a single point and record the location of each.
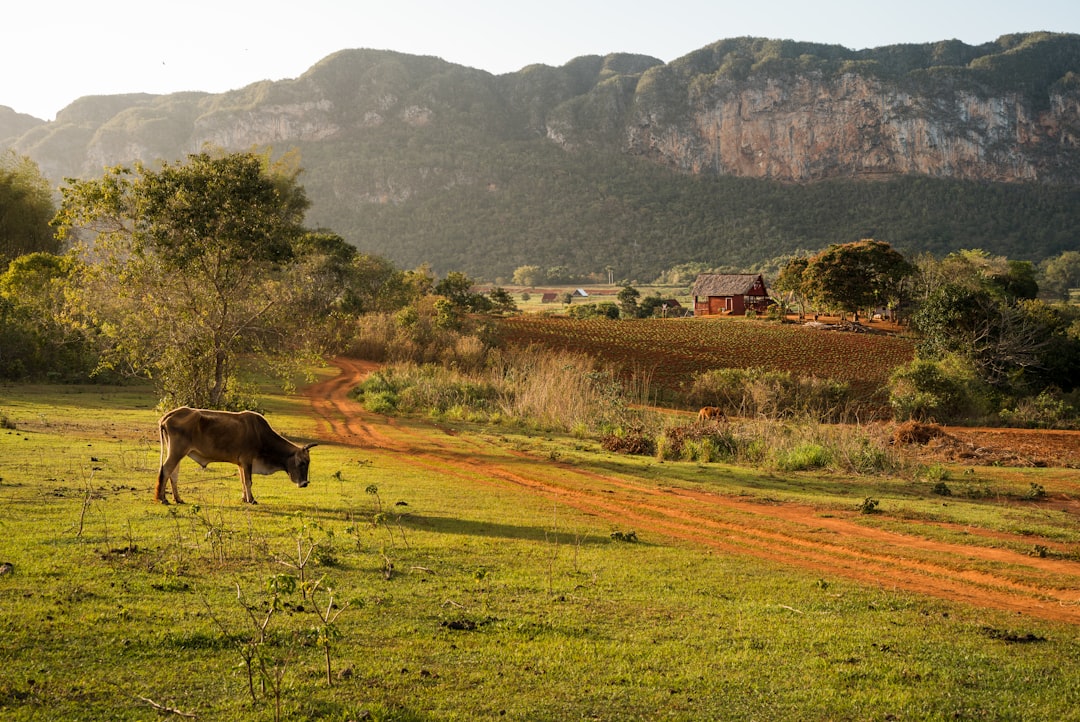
(495, 575)
(672, 350)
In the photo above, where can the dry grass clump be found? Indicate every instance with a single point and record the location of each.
(916, 432)
(635, 441)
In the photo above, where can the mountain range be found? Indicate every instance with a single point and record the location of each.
(739, 152)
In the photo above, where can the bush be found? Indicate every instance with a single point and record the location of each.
(701, 441)
(634, 441)
(803, 458)
(1045, 411)
(604, 309)
(775, 395)
(943, 391)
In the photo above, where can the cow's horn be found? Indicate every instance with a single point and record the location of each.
(308, 446)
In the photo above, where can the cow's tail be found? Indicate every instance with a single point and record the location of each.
(159, 491)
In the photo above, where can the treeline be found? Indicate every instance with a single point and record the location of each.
(193, 273)
(590, 213)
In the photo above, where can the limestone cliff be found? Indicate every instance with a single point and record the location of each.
(810, 127)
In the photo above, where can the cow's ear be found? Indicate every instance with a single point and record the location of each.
(308, 446)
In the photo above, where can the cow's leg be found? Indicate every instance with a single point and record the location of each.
(173, 478)
(169, 472)
(159, 490)
(245, 480)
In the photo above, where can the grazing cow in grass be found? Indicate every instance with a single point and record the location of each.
(714, 413)
(243, 438)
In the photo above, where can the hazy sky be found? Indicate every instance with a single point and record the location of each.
(56, 51)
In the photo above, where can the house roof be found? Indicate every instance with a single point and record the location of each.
(726, 284)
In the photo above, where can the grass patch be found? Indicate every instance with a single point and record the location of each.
(461, 598)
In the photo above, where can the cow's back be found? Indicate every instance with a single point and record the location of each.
(218, 435)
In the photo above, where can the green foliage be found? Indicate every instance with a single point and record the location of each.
(869, 506)
(187, 270)
(628, 301)
(1061, 273)
(1013, 345)
(804, 457)
(26, 208)
(945, 390)
(603, 309)
(1047, 410)
(38, 339)
(774, 394)
(853, 276)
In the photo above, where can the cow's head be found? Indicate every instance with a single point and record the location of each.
(298, 464)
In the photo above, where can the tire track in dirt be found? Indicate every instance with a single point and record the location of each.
(789, 534)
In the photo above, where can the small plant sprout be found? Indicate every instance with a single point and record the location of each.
(373, 489)
(868, 506)
(326, 631)
(1035, 492)
(303, 553)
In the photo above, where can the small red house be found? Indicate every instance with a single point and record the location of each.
(730, 294)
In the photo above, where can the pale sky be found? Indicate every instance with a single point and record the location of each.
(56, 51)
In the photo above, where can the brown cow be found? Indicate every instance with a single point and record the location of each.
(711, 412)
(243, 438)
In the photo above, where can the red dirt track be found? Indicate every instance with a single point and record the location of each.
(784, 533)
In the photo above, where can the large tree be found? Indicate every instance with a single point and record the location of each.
(26, 207)
(187, 268)
(857, 276)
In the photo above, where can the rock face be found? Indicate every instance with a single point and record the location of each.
(810, 127)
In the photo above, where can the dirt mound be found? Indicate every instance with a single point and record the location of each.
(916, 432)
(997, 447)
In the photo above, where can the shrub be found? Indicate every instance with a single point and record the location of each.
(634, 441)
(945, 390)
(774, 394)
(1045, 411)
(804, 457)
(868, 506)
(700, 441)
(604, 309)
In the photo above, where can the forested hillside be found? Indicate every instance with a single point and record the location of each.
(742, 151)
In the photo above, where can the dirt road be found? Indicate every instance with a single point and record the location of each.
(833, 544)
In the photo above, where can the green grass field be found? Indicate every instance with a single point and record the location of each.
(460, 596)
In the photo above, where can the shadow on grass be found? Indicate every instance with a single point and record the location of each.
(471, 527)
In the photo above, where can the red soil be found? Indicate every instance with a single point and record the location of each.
(832, 544)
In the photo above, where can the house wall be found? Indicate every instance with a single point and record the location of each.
(720, 305)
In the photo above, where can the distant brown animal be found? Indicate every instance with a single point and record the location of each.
(711, 412)
(243, 438)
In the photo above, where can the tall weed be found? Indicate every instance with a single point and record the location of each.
(783, 445)
(759, 392)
